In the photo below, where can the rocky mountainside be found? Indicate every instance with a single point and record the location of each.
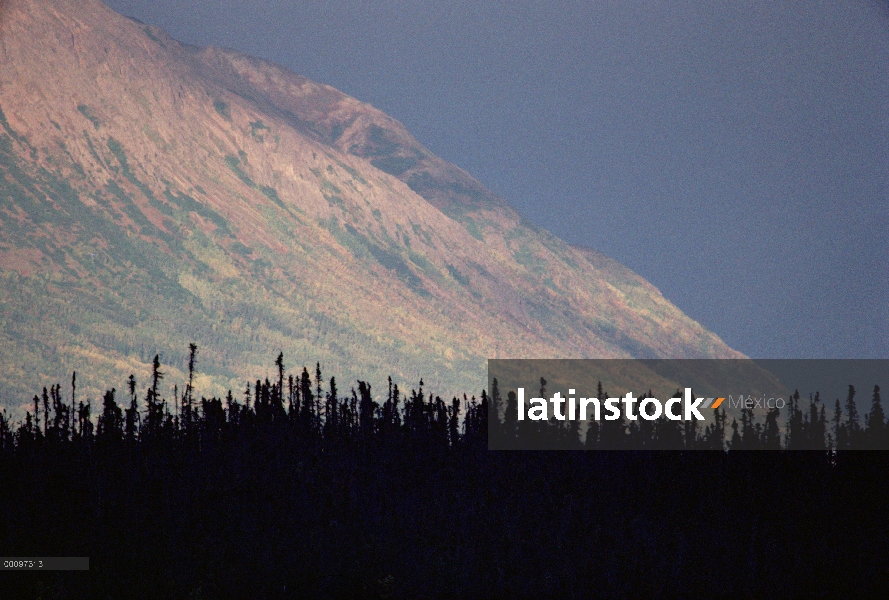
(153, 194)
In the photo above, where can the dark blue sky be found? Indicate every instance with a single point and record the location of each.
(736, 154)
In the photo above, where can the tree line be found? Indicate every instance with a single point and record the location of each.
(292, 488)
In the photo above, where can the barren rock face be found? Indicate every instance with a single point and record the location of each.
(153, 194)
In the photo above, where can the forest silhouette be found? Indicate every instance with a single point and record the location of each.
(293, 488)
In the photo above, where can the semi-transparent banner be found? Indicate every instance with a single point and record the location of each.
(691, 404)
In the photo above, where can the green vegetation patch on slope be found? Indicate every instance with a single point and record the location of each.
(234, 163)
(458, 276)
(87, 112)
(394, 165)
(189, 204)
(428, 186)
(117, 150)
(332, 194)
(362, 247)
(221, 107)
(526, 257)
(256, 130)
(20, 189)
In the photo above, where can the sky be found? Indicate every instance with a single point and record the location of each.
(735, 154)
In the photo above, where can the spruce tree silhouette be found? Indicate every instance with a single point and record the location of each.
(853, 427)
(877, 431)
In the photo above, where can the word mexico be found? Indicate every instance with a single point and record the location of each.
(650, 409)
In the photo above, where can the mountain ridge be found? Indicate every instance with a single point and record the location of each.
(197, 194)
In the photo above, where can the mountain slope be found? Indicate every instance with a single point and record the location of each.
(153, 194)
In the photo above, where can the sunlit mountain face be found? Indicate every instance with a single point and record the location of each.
(154, 194)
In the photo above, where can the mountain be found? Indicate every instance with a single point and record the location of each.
(154, 194)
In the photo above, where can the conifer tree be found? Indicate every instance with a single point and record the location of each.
(331, 410)
(771, 433)
(279, 362)
(877, 438)
(45, 411)
(821, 430)
(154, 414)
(109, 428)
(307, 413)
(73, 390)
(454, 420)
(188, 396)
(796, 431)
(839, 428)
(736, 442)
(853, 431)
(365, 410)
(36, 422)
(131, 426)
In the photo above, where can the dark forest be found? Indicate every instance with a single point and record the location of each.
(295, 488)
